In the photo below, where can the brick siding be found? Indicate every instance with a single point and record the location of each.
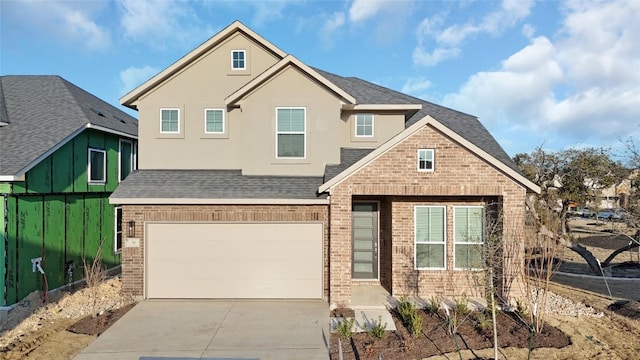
(460, 178)
(133, 257)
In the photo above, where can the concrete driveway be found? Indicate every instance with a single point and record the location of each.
(210, 330)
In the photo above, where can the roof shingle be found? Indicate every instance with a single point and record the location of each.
(215, 184)
(42, 111)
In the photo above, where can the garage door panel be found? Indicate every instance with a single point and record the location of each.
(234, 260)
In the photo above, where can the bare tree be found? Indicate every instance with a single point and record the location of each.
(94, 275)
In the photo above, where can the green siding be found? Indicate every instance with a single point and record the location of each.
(75, 232)
(19, 187)
(54, 214)
(80, 151)
(54, 227)
(12, 251)
(5, 188)
(39, 178)
(93, 222)
(2, 243)
(30, 243)
(62, 168)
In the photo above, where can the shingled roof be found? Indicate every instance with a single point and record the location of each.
(42, 112)
(214, 184)
(465, 125)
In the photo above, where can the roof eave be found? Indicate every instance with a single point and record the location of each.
(131, 98)
(236, 96)
(19, 175)
(402, 107)
(216, 201)
(528, 184)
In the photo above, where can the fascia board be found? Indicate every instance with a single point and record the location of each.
(203, 201)
(130, 99)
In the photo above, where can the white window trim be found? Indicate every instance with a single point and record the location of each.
(224, 128)
(455, 242)
(433, 160)
(133, 158)
(115, 230)
(304, 133)
(415, 240)
(170, 132)
(244, 60)
(104, 167)
(373, 122)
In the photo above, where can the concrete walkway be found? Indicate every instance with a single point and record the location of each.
(216, 330)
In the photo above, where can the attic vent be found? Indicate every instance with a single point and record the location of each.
(119, 119)
(98, 112)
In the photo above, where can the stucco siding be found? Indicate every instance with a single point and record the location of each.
(203, 84)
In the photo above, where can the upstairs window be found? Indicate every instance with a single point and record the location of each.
(425, 160)
(213, 121)
(429, 237)
(364, 125)
(126, 159)
(238, 58)
(468, 236)
(97, 167)
(170, 121)
(290, 132)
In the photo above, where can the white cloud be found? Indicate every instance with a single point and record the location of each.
(160, 23)
(329, 29)
(364, 9)
(68, 22)
(583, 87)
(425, 58)
(417, 87)
(447, 42)
(133, 76)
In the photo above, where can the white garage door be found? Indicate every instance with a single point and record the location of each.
(234, 260)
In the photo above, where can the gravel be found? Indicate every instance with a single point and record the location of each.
(31, 314)
(560, 306)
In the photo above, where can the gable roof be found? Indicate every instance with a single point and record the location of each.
(280, 66)
(130, 99)
(43, 113)
(465, 125)
(428, 120)
(215, 187)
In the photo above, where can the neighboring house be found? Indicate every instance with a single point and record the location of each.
(617, 195)
(62, 152)
(262, 177)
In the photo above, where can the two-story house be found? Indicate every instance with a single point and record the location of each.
(62, 153)
(262, 177)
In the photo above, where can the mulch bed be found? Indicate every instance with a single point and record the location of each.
(91, 325)
(436, 340)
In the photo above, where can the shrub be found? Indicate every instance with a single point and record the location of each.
(521, 309)
(415, 323)
(405, 309)
(345, 327)
(462, 306)
(433, 305)
(482, 322)
(376, 330)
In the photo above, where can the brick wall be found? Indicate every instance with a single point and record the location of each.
(133, 257)
(460, 177)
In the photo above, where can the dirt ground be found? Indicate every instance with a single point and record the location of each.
(34, 330)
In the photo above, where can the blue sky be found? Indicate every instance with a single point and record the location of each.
(552, 74)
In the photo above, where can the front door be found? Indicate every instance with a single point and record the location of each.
(364, 240)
